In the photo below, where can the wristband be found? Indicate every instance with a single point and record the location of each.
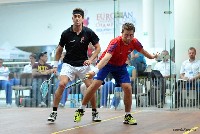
(55, 64)
(95, 70)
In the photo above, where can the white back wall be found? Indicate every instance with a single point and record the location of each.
(187, 29)
(41, 23)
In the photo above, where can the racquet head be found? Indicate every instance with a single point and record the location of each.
(44, 88)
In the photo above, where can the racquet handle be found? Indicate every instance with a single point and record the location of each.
(52, 75)
(86, 76)
(77, 82)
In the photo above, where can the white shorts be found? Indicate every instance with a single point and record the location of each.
(72, 72)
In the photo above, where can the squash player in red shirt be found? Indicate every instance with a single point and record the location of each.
(113, 61)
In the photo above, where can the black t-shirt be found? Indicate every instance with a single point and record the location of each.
(77, 45)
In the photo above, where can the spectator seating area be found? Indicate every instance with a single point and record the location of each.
(147, 92)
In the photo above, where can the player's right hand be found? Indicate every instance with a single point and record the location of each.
(90, 74)
(155, 56)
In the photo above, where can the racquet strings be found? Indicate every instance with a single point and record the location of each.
(44, 89)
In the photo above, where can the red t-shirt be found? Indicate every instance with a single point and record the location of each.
(120, 51)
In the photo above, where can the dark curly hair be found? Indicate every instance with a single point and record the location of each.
(78, 11)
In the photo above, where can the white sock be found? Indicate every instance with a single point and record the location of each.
(128, 113)
(82, 107)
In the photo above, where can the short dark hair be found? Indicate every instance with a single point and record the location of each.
(192, 48)
(33, 55)
(128, 26)
(165, 51)
(78, 11)
(42, 54)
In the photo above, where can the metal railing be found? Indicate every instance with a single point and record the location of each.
(148, 93)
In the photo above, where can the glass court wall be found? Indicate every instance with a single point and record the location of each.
(42, 26)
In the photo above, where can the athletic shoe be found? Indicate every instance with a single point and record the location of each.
(160, 105)
(42, 104)
(78, 114)
(95, 116)
(102, 107)
(8, 105)
(112, 107)
(61, 105)
(52, 117)
(128, 119)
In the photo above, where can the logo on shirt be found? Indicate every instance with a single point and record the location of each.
(82, 40)
(72, 41)
(42, 68)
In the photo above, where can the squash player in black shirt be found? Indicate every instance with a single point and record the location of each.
(75, 40)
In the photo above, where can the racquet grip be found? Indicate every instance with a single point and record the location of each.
(86, 76)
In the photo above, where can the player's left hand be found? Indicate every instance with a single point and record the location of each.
(87, 63)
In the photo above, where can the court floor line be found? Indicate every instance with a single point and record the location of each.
(69, 129)
(192, 129)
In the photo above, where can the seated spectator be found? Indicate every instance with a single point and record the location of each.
(139, 62)
(13, 79)
(190, 69)
(164, 65)
(168, 70)
(28, 68)
(5, 84)
(41, 71)
(190, 72)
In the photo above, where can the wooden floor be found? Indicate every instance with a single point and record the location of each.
(33, 121)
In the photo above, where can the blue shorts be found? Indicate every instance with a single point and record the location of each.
(119, 73)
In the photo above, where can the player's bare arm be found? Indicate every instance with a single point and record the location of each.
(59, 51)
(195, 77)
(104, 61)
(148, 55)
(99, 66)
(35, 72)
(49, 71)
(182, 76)
(94, 55)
